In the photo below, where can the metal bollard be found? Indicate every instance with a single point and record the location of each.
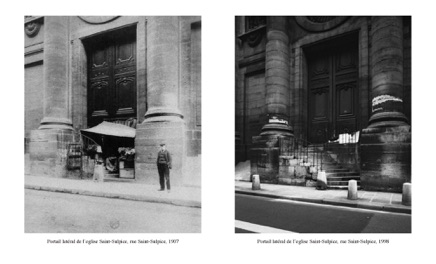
(256, 182)
(407, 194)
(352, 190)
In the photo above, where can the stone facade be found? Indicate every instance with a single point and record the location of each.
(313, 79)
(166, 84)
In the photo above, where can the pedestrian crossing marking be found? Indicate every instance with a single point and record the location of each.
(258, 228)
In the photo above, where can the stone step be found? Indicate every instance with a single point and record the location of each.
(334, 170)
(342, 174)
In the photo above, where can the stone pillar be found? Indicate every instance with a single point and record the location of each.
(386, 144)
(275, 134)
(277, 78)
(387, 72)
(163, 121)
(56, 58)
(163, 69)
(48, 144)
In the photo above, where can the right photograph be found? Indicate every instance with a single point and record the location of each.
(323, 124)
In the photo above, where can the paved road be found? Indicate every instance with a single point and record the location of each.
(267, 215)
(50, 212)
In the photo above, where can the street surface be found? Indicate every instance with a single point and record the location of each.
(51, 212)
(256, 214)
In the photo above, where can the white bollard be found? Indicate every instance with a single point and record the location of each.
(256, 182)
(407, 194)
(321, 181)
(98, 173)
(352, 190)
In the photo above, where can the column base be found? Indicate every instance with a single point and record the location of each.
(265, 156)
(149, 136)
(388, 119)
(385, 158)
(56, 123)
(277, 129)
(163, 115)
(48, 152)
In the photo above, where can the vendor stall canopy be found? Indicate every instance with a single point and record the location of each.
(112, 129)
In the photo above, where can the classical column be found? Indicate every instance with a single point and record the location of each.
(48, 144)
(163, 69)
(275, 135)
(277, 78)
(163, 121)
(385, 145)
(387, 72)
(55, 79)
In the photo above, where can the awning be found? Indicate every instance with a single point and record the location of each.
(112, 129)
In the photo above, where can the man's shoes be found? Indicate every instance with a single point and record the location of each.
(161, 190)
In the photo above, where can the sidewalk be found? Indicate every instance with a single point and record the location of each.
(183, 196)
(382, 201)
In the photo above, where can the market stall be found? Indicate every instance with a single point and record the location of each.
(117, 150)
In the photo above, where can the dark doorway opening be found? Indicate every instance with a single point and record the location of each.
(333, 88)
(111, 76)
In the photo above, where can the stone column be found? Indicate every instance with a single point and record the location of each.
(276, 133)
(277, 78)
(385, 145)
(387, 72)
(163, 121)
(163, 69)
(56, 57)
(48, 144)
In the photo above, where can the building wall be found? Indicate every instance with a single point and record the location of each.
(33, 97)
(407, 66)
(250, 89)
(33, 72)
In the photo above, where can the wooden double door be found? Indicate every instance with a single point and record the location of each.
(333, 94)
(112, 77)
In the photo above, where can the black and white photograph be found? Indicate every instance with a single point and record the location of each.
(323, 124)
(112, 124)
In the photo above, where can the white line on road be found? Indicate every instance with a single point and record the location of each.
(258, 228)
(372, 198)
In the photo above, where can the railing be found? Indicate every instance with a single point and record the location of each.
(87, 143)
(314, 155)
(307, 153)
(80, 146)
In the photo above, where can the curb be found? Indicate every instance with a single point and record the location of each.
(131, 197)
(352, 204)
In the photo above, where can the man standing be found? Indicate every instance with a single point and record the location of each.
(164, 166)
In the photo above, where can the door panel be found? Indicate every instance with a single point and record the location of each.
(111, 77)
(333, 94)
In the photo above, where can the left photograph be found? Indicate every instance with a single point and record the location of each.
(112, 127)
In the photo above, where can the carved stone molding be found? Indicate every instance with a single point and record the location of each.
(255, 30)
(320, 23)
(98, 19)
(32, 25)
